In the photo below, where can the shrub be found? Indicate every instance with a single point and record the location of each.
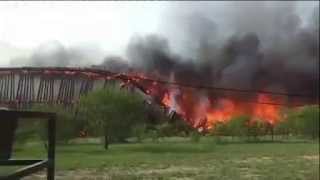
(303, 121)
(195, 136)
(308, 123)
(256, 129)
(26, 131)
(113, 112)
(139, 131)
(154, 135)
(65, 123)
(238, 126)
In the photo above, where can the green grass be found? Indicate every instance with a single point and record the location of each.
(184, 160)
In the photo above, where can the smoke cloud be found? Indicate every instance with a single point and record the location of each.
(114, 64)
(250, 45)
(55, 54)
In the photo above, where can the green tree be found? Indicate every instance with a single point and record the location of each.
(65, 124)
(303, 121)
(288, 124)
(309, 121)
(256, 128)
(113, 112)
(219, 129)
(139, 131)
(195, 136)
(180, 127)
(238, 126)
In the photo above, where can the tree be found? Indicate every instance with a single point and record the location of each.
(309, 121)
(238, 126)
(113, 112)
(65, 123)
(139, 131)
(303, 121)
(256, 128)
(219, 129)
(288, 124)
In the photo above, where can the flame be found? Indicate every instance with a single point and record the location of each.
(166, 100)
(203, 111)
(269, 113)
(220, 114)
(197, 109)
(169, 101)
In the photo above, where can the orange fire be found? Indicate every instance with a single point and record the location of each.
(197, 108)
(166, 100)
(202, 111)
(221, 114)
(267, 112)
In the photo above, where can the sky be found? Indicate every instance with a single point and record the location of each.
(104, 25)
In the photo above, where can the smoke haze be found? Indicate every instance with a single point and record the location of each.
(55, 54)
(250, 45)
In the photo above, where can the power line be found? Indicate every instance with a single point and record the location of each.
(222, 89)
(145, 91)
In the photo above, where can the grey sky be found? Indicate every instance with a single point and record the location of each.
(106, 26)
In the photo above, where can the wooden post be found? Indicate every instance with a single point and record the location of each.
(51, 147)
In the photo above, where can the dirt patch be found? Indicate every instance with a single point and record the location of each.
(169, 170)
(116, 173)
(311, 158)
(254, 160)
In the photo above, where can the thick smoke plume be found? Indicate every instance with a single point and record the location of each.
(253, 45)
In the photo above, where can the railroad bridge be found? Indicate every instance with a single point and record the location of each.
(24, 86)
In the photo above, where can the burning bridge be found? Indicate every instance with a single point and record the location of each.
(22, 87)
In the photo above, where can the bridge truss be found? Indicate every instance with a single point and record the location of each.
(21, 87)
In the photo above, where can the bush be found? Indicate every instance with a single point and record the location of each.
(65, 123)
(219, 129)
(195, 136)
(255, 129)
(166, 129)
(286, 126)
(308, 123)
(238, 126)
(113, 112)
(139, 131)
(303, 121)
(25, 132)
(154, 135)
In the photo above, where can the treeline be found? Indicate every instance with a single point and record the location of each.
(117, 115)
(298, 122)
(111, 113)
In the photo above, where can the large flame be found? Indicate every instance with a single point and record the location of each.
(197, 109)
(222, 113)
(203, 111)
(269, 113)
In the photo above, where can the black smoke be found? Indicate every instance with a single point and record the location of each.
(258, 46)
(114, 64)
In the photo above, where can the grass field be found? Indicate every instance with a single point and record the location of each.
(181, 159)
